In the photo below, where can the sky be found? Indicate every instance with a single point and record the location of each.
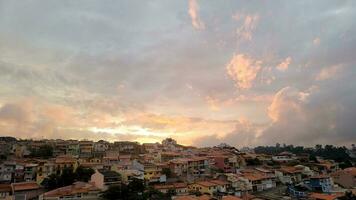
(203, 72)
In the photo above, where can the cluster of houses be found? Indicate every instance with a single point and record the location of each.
(221, 172)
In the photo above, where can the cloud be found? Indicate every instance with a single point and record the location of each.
(243, 70)
(249, 24)
(194, 15)
(329, 73)
(213, 103)
(316, 115)
(283, 66)
(286, 101)
(316, 41)
(245, 133)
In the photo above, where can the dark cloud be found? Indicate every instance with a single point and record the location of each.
(142, 64)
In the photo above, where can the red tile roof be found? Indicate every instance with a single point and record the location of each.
(320, 196)
(25, 186)
(76, 188)
(5, 188)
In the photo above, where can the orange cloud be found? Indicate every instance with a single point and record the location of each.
(328, 73)
(249, 24)
(283, 66)
(193, 12)
(287, 101)
(316, 41)
(243, 70)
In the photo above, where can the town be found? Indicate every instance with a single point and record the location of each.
(72, 169)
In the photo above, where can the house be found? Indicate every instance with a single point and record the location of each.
(30, 172)
(60, 148)
(190, 168)
(26, 190)
(7, 171)
(44, 169)
(298, 191)
(238, 186)
(103, 178)
(19, 173)
(209, 187)
(86, 149)
(66, 161)
(320, 183)
(73, 148)
(78, 190)
(192, 197)
(100, 147)
(321, 196)
(169, 155)
(226, 163)
(127, 175)
(284, 157)
(5, 191)
(259, 181)
(178, 188)
(289, 175)
(153, 173)
(346, 178)
(325, 167)
(230, 197)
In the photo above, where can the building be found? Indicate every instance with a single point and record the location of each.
(26, 190)
(86, 149)
(73, 148)
(63, 162)
(226, 163)
(7, 171)
(259, 181)
(284, 157)
(30, 172)
(210, 187)
(346, 178)
(78, 190)
(238, 185)
(289, 175)
(190, 168)
(178, 188)
(320, 183)
(127, 175)
(44, 169)
(5, 191)
(153, 173)
(321, 196)
(103, 178)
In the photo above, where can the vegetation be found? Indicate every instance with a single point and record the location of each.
(167, 172)
(44, 151)
(329, 152)
(135, 190)
(67, 177)
(8, 139)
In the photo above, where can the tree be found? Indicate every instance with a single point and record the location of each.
(67, 176)
(167, 172)
(136, 185)
(83, 173)
(116, 192)
(44, 151)
(153, 194)
(54, 181)
(51, 182)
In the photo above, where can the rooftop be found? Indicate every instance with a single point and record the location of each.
(76, 188)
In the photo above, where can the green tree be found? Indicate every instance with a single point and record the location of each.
(136, 186)
(44, 151)
(167, 172)
(116, 192)
(83, 173)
